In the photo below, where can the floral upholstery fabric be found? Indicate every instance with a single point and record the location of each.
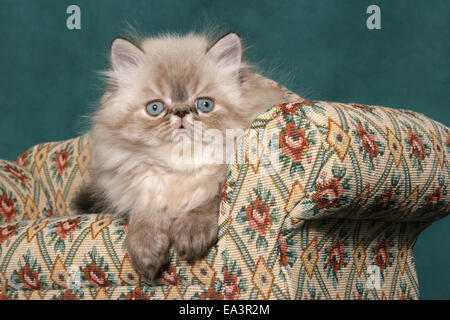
(322, 201)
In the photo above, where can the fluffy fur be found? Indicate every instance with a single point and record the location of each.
(139, 173)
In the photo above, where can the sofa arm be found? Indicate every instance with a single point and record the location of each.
(21, 197)
(375, 162)
(317, 160)
(84, 257)
(61, 168)
(351, 161)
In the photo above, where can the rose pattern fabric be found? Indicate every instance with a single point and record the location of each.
(18, 174)
(22, 160)
(328, 194)
(297, 224)
(293, 142)
(335, 258)
(259, 215)
(7, 207)
(417, 146)
(385, 200)
(382, 254)
(7, 232)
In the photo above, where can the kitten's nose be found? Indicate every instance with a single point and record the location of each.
(181, 112)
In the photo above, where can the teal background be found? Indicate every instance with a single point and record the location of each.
(321, 49)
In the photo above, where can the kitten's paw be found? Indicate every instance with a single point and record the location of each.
(149, 251)
(193, 235)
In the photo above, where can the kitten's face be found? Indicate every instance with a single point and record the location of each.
(169, 85)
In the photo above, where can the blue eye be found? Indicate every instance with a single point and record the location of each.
(155, 108)
(204, 104)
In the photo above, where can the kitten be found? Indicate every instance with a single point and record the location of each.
(158, 90)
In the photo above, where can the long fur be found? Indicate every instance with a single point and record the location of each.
(137, 171)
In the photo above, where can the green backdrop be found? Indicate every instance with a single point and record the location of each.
(321, 49)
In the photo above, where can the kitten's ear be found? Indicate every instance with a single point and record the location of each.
(125, 56)
(227, 52)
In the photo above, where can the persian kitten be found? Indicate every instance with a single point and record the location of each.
(157, 91)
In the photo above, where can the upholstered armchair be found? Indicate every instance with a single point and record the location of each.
(321, 201)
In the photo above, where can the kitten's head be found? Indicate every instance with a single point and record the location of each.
(162, 86)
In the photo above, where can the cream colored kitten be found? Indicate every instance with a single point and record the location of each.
(158, 90)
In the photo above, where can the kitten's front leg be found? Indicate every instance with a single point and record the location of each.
(147, 245)
(195, 232)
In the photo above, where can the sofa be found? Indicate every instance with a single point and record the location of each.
(322, 200)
